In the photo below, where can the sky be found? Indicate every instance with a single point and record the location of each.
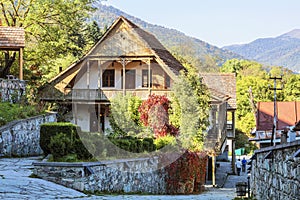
(218, 22)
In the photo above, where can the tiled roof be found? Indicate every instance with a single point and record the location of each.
(288, 114)
(224, 83)
(12, 37)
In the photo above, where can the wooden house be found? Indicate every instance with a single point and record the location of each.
(220, 137)
(128, 59)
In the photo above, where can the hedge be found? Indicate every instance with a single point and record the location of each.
(61, 139)
(49, 130)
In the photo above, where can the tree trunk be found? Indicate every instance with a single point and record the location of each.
(9, 60)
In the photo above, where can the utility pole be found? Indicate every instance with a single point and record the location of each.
(273, 138)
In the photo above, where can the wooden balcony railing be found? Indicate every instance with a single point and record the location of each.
(101, 95)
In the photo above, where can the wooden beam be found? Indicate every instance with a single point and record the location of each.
(21, 63)
(99, 74)
(88, 74)
(76, 116)
(124, 76)
(149, 76)
(214, 170)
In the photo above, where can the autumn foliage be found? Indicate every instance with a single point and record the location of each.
(187, 174)
(154, 113)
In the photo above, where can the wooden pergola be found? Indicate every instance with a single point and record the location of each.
(13, 39)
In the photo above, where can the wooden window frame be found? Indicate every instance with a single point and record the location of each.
(108, 78)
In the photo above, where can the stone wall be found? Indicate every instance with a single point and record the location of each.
(22, 137)
(12, 90)
(276, 172)
(129, 176)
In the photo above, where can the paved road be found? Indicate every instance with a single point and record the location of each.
(15, 183)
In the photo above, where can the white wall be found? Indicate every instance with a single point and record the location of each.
(83, 117)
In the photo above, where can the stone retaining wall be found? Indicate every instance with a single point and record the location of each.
(276, 172)
(22, 137)
(12, 90)
(127, 176)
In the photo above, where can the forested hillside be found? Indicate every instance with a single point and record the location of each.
(283, 50)
(173, 40)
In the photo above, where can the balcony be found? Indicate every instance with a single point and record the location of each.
(101, 94)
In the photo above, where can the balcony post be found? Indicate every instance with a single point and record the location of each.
(88, 74)
(124, 76)
(98, 93)
(88, 79)
(149, 76)
(75, 108)
(21, 63)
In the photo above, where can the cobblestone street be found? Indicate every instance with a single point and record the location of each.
(16, 184)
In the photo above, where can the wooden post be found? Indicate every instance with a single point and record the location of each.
(124, 76)
(99, 81)
(233, 144)
(76, 110)
(88, 75)
(149, 76)
(99, 117)
(99, 74)
(21, 63)
(214, 170)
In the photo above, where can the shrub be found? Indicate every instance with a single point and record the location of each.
(164, 141)
(60, 145)
(16, 111)
(154, 114)
(134, 145)
(62, 139)
(49, 130)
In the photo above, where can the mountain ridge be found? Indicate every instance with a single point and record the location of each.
(283, 50)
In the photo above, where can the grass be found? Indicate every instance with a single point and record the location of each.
(10, 112)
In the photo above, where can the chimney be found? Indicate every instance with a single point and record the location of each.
(60, 69)
(0, 22)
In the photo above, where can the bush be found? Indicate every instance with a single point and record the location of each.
(164, 141)
(62, 139)
(16, 112)
(134, 145)
(60, 145)
(49, 130)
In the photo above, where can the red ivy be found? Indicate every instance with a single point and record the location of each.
(154, 113)
(187, 174)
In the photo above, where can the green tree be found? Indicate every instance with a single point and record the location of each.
(190, 109)
(291, 88)
(54, 31)
(124, 117)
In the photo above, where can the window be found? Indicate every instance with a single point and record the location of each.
(108, 78)
(145, 77)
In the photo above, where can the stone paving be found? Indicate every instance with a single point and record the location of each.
(15, 183)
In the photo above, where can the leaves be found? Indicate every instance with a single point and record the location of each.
(124, 116)
(154, 113)
(255, 76)
(55, 29)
